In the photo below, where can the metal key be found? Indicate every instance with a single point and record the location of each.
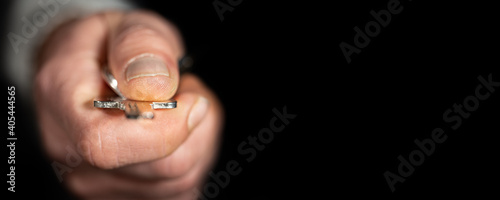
(133, 109)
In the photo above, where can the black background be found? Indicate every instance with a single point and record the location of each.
(353, 120)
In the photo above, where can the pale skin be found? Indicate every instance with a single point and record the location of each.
(163, 158)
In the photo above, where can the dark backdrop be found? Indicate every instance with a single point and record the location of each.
(353, 120)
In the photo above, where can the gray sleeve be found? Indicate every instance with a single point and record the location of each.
(31, 21)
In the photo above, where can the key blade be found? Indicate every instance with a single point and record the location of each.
(164, 105)
(107, 104)
(135, 109)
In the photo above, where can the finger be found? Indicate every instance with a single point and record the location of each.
(201, 143)
(68, 83)
(110, 141)
(143, 54)
(90, 182)
(68, 78)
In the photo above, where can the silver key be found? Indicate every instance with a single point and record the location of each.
(133, 109)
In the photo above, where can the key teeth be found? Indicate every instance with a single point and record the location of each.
(132, 116)
(147, 115)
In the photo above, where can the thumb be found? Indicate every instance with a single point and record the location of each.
(142, 55)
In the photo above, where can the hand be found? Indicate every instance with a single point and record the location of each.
(162, 158)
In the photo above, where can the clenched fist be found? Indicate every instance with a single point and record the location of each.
(162, 158)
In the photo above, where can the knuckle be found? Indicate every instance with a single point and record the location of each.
(87, 150)
(95, 156)
(91, 148)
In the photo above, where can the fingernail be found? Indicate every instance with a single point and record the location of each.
(146, 65)
(197, 112)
